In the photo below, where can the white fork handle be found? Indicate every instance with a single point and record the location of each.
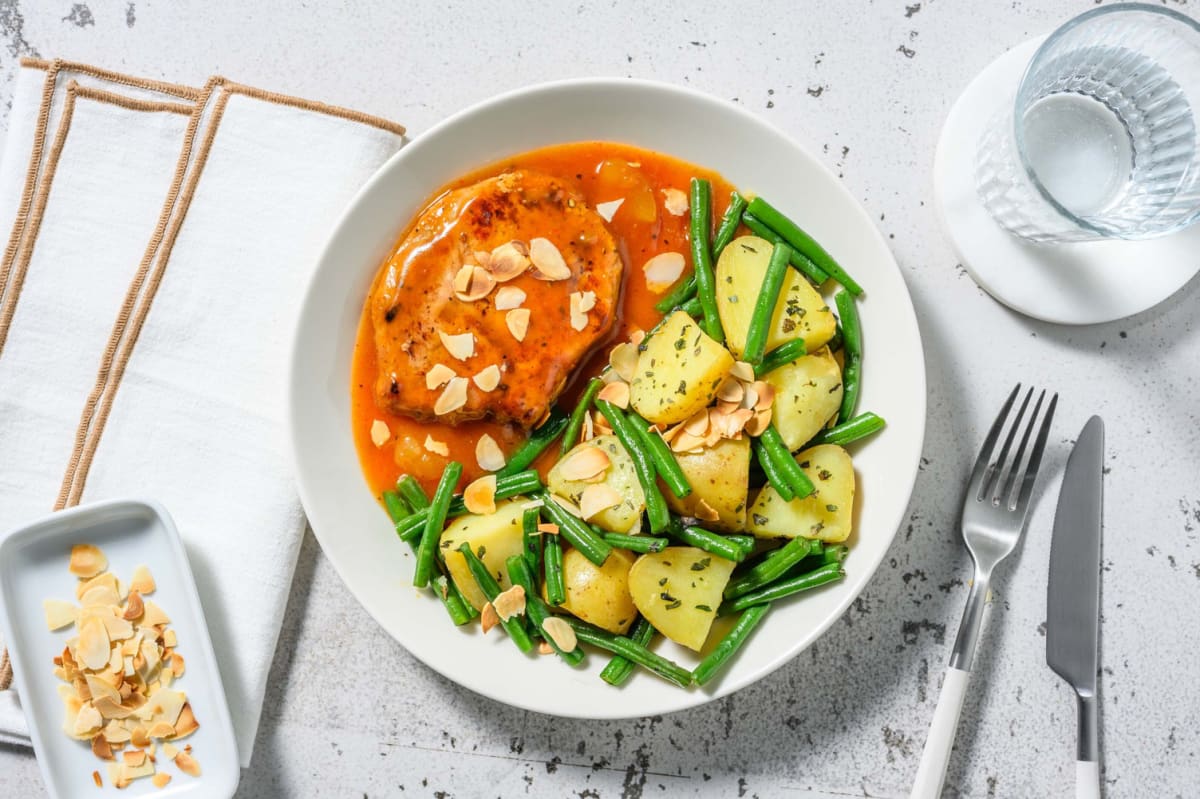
(932, 771)
(1087, 779)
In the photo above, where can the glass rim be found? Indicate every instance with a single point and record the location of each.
(1051, 40)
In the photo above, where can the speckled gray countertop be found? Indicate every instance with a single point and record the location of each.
(866, 85)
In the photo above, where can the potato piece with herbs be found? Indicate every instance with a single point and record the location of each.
(826, 514)
(720, 476)
(679, 370)
(619, 475)
(800, 312)
(600, 594)
(808, 392)
(494, 538)
(679, 590)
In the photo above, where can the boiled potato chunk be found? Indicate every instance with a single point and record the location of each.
(494, 537)
(679, 590)
(808, 392)
(719, 475)
(678, 371)
(600, 594)
(800, 312)
(620, 476)
(825, 514)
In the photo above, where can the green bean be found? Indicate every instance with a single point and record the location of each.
(520, 574)
(793, 235)
(513, 625)
(628, 648)
(771, 468)
(764, 305)
(802, 263)
(522, 483)
(539, 440)
(781, 356)
(729, 224)
(860, 426)
(835, 343)
(620, 668)
(692, 308)
(435, 520)
(552, 555)
(397, 508)
(412, 492)
(834, 553)
(453, 602)
(660, 453)
(684, 290)
(656, 506)
(851, 326)
(531, 538)
(572, 528)
(772, 568)
(795, 476)
(575, 423)
(794, 585)
(699, 231)
(636, 543)
(851, 381)
(730, 644)
(746, 542)
(710, 542)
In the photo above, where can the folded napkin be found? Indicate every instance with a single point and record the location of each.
(162, 239)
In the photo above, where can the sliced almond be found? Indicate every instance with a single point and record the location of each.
(488, 618)
(509, 297)
(462, 278)
(487, 378)
(101, 747)
(480, 495)
(698, 424)
(483, 258)
(567, 505)
(616, 393)
(546, 528)
(738, 420)
(675, 201)
(98, 689)
(663, 270)
(596, 498)
(623, 360)
(103, 578)
(731, 391)
(488, 454)
(609, 209)
(588, 431)
(438, 375)
(758, 423)
(579, 318)
(437, 447)
(169, 638)
(143, 581)
(187, 764)
(380, 433)
(548, 263)
(134, 607)
(169, 751)
(560, 633)
(88, 721)
(86, 561)
(508, 261)
(518, 322)
(115, 732)
(637, 337)
(479, 284)
(161, 779)
(162, 729)
(742, 371)
(93, 648)
(545, 648)
(686, 442)
(766, 395)
(453, 397)
(153, 615)
(706, 512)
(177, 664)
(59, 613)
(587, 301)
(459, 345)
(749, 397)
(585, 464)
(103, 596)
(134, 757)
(509, 602)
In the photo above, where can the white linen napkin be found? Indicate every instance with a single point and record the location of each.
(162, 240)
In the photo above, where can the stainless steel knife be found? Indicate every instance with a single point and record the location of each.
(1073, 595)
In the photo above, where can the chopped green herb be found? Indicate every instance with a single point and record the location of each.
(701, 564)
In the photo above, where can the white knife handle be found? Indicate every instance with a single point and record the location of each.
(1087, 779)
(932, 771)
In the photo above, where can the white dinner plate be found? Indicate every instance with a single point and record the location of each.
(356, 533)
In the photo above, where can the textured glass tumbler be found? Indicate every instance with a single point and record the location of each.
(1101, 139)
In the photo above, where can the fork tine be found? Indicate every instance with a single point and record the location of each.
(1035, 459)
(985, 451)
(992, 480)
(1006, 491)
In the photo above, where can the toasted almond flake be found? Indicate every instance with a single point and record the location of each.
(103, 578)
(380, 433)
(637, 337)
(508, 298)
(706, 512)
(548, 263)
(161, 779)
(162, 729)
(483, 258)
(749, 397)
(616, 393)
(115, 733)
(567, 505)
(480, 495)
(102, 596)
(545, 648)
(601, 427)
(597, 498)
(460, 345)
(488, 617)
(438, 376)
(96, 777)
(623, 360)
(545, 528)
(187, 764)
(134, 607)
(169, 638)
(698, 424)
(766, 395)
(587, 301)
(609, 209)
(139, 736)
(479, 284)
(86, 561)
(588, 462)
(488, 378)
(579, 319)
(462, 278)
(758, 423)
(663, 270)
(742, 371)
(88, 721)
(686, 442)
(560, 633)
(143, 581)
(588, 431)
(725, 408)
(102, 747)
(675, 201)
(731, 391)
(59, 613)
(186, 724)
(670, 433)
(98, 688)
(169, 750)
(488, 454)
(508, 261)
(738, 420)
(518, 322)
(153, 615)
(93, 647)
(509, 602)
(437, 447)
(177, 664)
(134, 757)
(453, 397)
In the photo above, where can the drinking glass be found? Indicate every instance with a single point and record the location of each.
(1101, 139)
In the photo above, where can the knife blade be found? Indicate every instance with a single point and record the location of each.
(1073, 593)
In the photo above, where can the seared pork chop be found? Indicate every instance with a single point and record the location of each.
(414, 304)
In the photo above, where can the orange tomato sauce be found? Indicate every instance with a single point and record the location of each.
(601, 172)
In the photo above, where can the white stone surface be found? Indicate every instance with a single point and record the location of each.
(866, 85)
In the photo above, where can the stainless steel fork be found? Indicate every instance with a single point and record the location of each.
(993, 518)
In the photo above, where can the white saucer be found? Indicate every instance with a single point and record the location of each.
(1072, 284)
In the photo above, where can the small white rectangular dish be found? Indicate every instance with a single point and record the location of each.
(33, 568)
